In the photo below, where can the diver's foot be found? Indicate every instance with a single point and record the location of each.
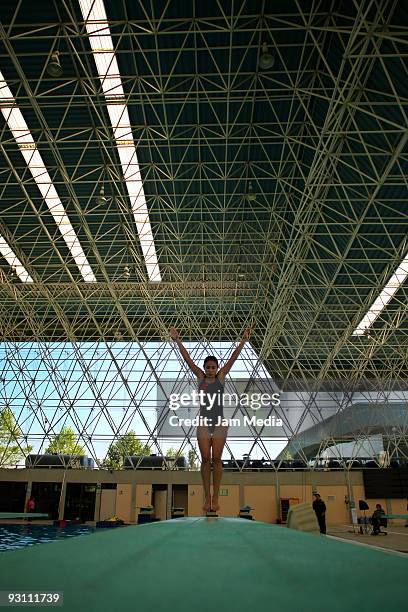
(207, 504)
(215, 505)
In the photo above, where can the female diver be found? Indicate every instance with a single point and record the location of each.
(211, 437)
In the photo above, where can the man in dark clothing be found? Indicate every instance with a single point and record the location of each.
(320, 508)
(376, 519)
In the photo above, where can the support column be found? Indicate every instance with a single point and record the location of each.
(98, 496)
(28, 494)
(169, 501)
(352, 503)
(241, 496)
(277, 488)
(133, 504)
(388, 509)
(61, 505)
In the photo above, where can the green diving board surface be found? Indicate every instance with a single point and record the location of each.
(204, 564)
(22, 515)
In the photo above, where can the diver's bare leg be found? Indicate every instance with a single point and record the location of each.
(218, 441)
(204, 444)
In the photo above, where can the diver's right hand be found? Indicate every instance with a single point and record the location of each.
(174, 333)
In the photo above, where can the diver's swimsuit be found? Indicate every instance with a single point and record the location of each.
(216, 411)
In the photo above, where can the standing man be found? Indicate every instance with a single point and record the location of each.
(320, 508)
(376, 519)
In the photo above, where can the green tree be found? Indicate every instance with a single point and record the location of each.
(173, 452)
(127, 445)
(192, 459)
(65, 443)
(13, 445)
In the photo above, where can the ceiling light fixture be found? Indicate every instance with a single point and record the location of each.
(54, 67)
(101, 199)
(17, 267)
(251, 195)
(266, 59)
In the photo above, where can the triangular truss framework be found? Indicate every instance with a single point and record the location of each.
(104, 390)
(300, 256)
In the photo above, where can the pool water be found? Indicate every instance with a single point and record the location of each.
(20, 536)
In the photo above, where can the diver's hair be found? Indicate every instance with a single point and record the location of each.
(211, 358)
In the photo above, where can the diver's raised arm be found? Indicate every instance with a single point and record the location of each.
(193, 367)
(226, 368)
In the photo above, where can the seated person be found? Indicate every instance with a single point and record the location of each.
(376, 519)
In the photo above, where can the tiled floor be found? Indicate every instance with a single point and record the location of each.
(396, 538)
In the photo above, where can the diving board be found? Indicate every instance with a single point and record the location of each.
(202, 564)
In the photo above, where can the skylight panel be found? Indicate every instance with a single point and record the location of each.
(33, 159)
(97, 27)
(395, 282)
(12, 259)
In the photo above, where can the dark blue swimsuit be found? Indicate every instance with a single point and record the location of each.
(216, 411)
